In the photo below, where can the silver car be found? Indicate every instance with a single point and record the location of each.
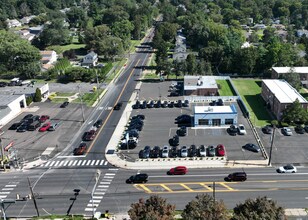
(165, 152)
(286, 131)
(184, 152)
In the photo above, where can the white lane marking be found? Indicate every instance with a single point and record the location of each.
(106, 162)
(90, 122)
(115, 169)
(101, 162)
(3, 197)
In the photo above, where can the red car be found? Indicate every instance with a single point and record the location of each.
(45, 127)
(180, 170)
(220, 150)
(89, 135)
(81, 149)
(44, 118)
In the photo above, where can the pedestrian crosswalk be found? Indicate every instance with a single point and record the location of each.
(75, 163)
(7, 189)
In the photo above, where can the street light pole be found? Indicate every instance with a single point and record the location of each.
(81, 104)
(271, 149)
(97, 176)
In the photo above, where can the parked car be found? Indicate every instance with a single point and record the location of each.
(183, 119)
(35, 118)
(289, 168)
(174, 152)
(213, 103)
(192, 152)
(179, 170)
(165, 152)
(33, 126)
(147, 151)
(139, 178)
(44, 118)
(164, 104)
(28, 116)
(158, 104)
(141, 117)
(184, 152)
(81, 150)
(179, 104)
(155, 152)
(53, 126)
(150, 104)
(181, 131)
(98, 123)
(211, 151)
(45, 127)
(241, 129)
(3, 84)
(219, 102)
(15, 126)
(137, 105)
(118, 106)
(142, 154)
(306, 128)
(22, 128)
(268, 129)
(143, 105)
(171, 104)
(202, 151)
(286, 131)
(252, 147)
(232, 130)
(237, 176)
(64, 104)
(132, 133)
(299, 129)
(174, 141)
(89, 135)
(186, 103)
(220, 150)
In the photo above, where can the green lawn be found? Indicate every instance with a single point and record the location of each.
(304, 93)
(88, 98)
(250, 91)
(133, 45)
(225, 89)
(65, 94)
(60, 49)
(59, 100)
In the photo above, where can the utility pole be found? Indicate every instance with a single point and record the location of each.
(33, 197)
(214, 188)
(97, 176)
(81, 104)
(271, 149)
(2, 154)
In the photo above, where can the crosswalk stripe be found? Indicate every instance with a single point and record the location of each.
(65, 163)
(5, 192)
(83, 163)
(8, 189)
(88, 163)
(98, 197)
(60, 164)
(90, 209)
(103, 186)
(95, 201)
(106, 162)
(70, 163)
(115, 169)
(99, 193)
(105, 183)
(101, 189)
(52, 163)
(3, 197)
(47, 164)
(57, 163)
(93, 162)
(79, 162)
(97, 162)
(10, 185)
(75, 162)
(108, 177)
(110, 174)
(101, 162)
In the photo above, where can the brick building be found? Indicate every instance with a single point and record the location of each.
(200, 86)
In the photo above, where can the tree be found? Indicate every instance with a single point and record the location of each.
(205, 208)
(154, 208)
(76, 16)
(293, 79)
(191, 63)
(259, 208)
(37, 96)
(294, 113)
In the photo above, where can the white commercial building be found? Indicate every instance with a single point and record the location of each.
(10, 107)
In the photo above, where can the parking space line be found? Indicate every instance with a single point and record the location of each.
(186, 187)
(225, 185)
(166, 187)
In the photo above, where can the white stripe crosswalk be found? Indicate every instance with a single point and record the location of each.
(7, 189)
(75, 163)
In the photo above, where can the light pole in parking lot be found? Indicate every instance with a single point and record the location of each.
(159, 94)
(272, 142)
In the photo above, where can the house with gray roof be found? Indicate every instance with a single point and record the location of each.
(90, 59)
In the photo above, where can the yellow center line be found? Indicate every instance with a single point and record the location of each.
(144, 187)
(100, 130)
(166, 187)
(205, 186)
(225, 185)
(186, 187)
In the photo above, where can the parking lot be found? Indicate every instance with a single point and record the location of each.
(160, 126)
(31, 144)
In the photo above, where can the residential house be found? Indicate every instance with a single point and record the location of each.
(25, 34)
(259, 26)
(300, 33)
(36, 30)
(13, 23)
(279, 94)
(90, 59)
(27, 19)
(180, 52)
(302, 71)
(48, 56)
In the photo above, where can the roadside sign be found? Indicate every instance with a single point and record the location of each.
(9, 146)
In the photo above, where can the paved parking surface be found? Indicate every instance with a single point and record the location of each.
(159, 127)
(31, 144)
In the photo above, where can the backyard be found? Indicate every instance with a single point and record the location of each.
(250, 92)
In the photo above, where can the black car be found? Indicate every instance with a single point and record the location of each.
(192, 152)
(64, 104)
(220, 102)
(133, 133)
(171, 104)
(183, 119)
(155, 152)
(174, 93)
(32, 119)
(98, 123)
(252, 147)
(267, 129)
(27, 117)
(137, 105)
(135, 126)
(136, 122)
(173, 152)
(150, 104)
(158, 104)
(182, 131)
(143, 105)
(22, 128)
(213, 103)
(33, 126)
(179, 104)
(147, 151)
(3, 84)
(142, 117)
(299, 129)
(164, 104)
(174, 141)
(186, 103)
(306, 128)
(232, 130)
(237, 176)
(139, 178)
(15, 126)
(142, 154)
(118, 106)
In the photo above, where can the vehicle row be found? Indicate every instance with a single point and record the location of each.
(131, 134)
(87, 136)
(160, 104)
(232, 177)
(233, 130)
(184, 151)
(287, 131)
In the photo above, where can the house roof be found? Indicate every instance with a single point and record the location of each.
(301, 69)
(7, 99)
(283, 91)
(215, 109)
(4, 112)
(47, 52)
(196, 82)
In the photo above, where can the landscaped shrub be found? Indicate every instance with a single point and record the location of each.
(29, 100)
(284, 124)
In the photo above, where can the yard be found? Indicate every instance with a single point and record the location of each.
(250, 92)
(225, 89)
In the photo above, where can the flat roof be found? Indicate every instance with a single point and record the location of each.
(215, 109)
(301, 69)
(206, 82)
(7, 99)
(283, 91)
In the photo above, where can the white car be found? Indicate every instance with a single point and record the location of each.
(286, 131)
(289, 168)
(165, 152)
(184, 152)
(202, 151)
(241, 129)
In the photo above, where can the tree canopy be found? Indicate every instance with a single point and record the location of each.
(295, 113)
